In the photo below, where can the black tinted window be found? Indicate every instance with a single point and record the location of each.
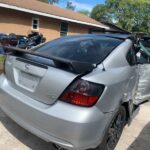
(84, 49)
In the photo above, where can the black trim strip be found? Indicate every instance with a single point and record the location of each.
(32, 63)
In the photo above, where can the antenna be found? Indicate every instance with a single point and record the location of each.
(103, 67)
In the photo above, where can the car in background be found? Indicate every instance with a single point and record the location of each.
(35, 39)
(77, 91)
(9, 40)
(13, 39)
(3, 38)
(22, 41)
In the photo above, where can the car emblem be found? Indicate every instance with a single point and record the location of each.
(27, 68)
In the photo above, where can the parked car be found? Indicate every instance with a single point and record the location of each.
(3, 38)
(22, 41)
(9, 40)
(30, 41)
(13, 39)
(34, 39)
(77, 91)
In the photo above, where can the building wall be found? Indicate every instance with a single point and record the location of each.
(76, 29)
(12, 21)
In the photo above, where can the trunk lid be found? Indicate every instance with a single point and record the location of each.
(41, 82)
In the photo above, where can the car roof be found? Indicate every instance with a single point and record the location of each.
(118, 36)
(115, 36)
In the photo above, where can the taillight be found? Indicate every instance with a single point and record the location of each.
(82, 93)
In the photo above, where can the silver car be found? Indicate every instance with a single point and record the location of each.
(77, 92)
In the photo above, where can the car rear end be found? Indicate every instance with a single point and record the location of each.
(44, 90)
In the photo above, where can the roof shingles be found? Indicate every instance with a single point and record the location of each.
(38, 6)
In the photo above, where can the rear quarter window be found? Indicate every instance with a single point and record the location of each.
(83, 49)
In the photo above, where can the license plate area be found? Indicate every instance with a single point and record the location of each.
(28, 81)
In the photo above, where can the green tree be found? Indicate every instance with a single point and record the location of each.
(50, 1)
(70, 6)
(131, 15)
(101, 13)
(45, 1)
(84, 12)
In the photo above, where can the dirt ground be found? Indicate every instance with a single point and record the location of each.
(135, 137)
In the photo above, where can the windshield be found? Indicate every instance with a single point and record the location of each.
(84, 49)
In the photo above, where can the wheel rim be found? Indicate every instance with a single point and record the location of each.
(115, 131)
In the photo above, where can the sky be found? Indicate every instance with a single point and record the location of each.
(81, 4)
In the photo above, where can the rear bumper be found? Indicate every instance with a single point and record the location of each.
(69, 126)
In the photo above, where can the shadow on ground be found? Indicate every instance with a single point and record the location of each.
(142, 142)
(28, 139)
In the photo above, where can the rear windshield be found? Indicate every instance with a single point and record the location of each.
(83, 49)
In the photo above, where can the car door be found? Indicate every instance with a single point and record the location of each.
(134, 76)
(142, 93)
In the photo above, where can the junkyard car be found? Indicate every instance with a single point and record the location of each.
(3, 38)
(8, 39)
(22, 41)
(77, 92)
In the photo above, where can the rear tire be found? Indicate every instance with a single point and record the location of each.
(114, 131)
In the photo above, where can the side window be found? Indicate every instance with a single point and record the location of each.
(35, 23)
(131, 57)
(64, 28)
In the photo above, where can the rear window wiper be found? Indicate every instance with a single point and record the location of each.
(76, 66)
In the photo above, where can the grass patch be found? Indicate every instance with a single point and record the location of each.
(2, 59)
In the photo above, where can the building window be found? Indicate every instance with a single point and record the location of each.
(35, 24)
(64, 28)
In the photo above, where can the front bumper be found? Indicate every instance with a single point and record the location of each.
(69, 126)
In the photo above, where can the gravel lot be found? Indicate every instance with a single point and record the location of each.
(135, 137)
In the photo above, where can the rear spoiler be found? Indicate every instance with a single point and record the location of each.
(75, 66)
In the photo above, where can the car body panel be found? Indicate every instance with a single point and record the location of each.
(119, 78)
(143, 87)
(49, 82)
